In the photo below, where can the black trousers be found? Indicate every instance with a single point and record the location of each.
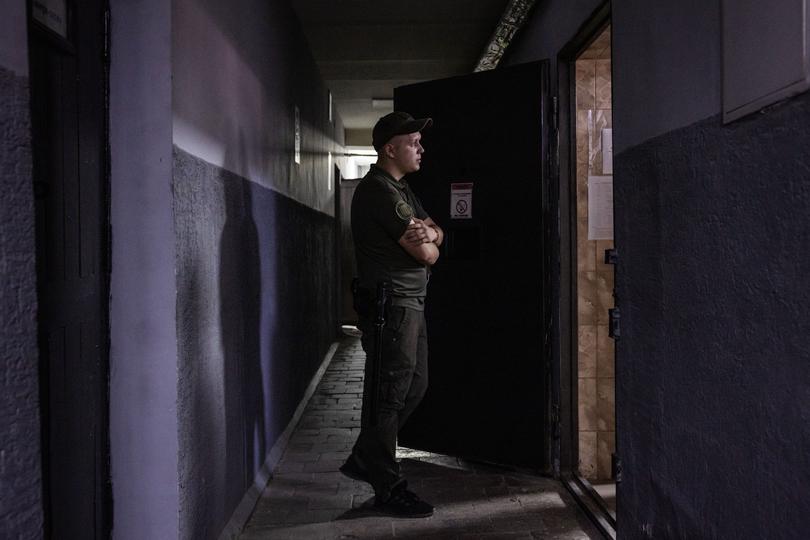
(403, 381)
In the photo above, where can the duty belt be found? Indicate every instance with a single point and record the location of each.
(405, 300)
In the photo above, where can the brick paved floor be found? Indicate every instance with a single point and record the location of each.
(309, 498)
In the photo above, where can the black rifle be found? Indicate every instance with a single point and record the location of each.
(383, 292)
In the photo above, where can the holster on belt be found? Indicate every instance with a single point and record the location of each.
(368, 305)
(363, 300)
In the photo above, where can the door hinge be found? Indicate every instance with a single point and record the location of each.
(554, 142)
(614, 330)
(611, 256)
(616, 463)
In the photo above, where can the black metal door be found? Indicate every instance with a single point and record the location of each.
(488, 295)
(69, 119)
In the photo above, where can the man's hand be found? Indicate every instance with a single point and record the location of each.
(418, 232)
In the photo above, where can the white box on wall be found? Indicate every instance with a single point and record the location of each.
(765, 53)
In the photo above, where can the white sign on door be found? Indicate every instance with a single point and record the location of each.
(461, 200)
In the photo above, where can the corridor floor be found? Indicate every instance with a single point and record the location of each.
(308, 498)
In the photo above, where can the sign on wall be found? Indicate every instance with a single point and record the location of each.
(52, 14)
(461, 200)
(600, 208)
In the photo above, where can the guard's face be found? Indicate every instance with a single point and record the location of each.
(406, 152)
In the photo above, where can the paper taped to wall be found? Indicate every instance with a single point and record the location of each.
(600, 208)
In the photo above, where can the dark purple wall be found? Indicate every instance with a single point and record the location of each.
(20, 471)
(666, 67)
(713, 368)
(256, 313)
(254, 244)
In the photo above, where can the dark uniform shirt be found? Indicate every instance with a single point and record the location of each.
(382, 208)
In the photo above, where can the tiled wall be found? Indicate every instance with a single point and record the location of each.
(596, 381)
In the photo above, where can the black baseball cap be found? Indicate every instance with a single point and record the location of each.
(396, 123)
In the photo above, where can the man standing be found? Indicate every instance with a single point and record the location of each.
(395, 242)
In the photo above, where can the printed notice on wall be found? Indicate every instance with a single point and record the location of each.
(52, 14)
(600, 208)
(607, 151)
(297, 135)
(461, 200)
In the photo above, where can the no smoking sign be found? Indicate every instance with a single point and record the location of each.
(461, 200)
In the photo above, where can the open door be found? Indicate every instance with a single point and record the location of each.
(484, 180)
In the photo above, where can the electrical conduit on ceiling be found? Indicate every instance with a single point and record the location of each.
(513, 18)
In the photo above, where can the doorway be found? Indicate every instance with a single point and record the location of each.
(593, 191)
(68, 66)
(587, 383)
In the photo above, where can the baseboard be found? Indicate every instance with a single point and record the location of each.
(244, 510)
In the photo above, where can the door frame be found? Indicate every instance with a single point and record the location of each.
(103, 483)
(582, 490)
(337, 178)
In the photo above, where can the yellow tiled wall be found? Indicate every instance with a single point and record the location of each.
(595, 357)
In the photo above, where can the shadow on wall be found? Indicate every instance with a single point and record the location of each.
(221, 400)
(240, 320)
(256, 313)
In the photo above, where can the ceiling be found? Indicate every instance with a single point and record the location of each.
(366, 48)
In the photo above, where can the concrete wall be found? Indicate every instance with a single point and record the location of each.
(20, 471)
(223, 300)
(143, 355)
(254, 242)
(256, 305)
(713, 378)
(231, 248)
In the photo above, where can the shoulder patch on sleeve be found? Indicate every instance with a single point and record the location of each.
(404, 211)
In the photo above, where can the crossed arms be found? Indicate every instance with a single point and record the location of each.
(422, 239)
